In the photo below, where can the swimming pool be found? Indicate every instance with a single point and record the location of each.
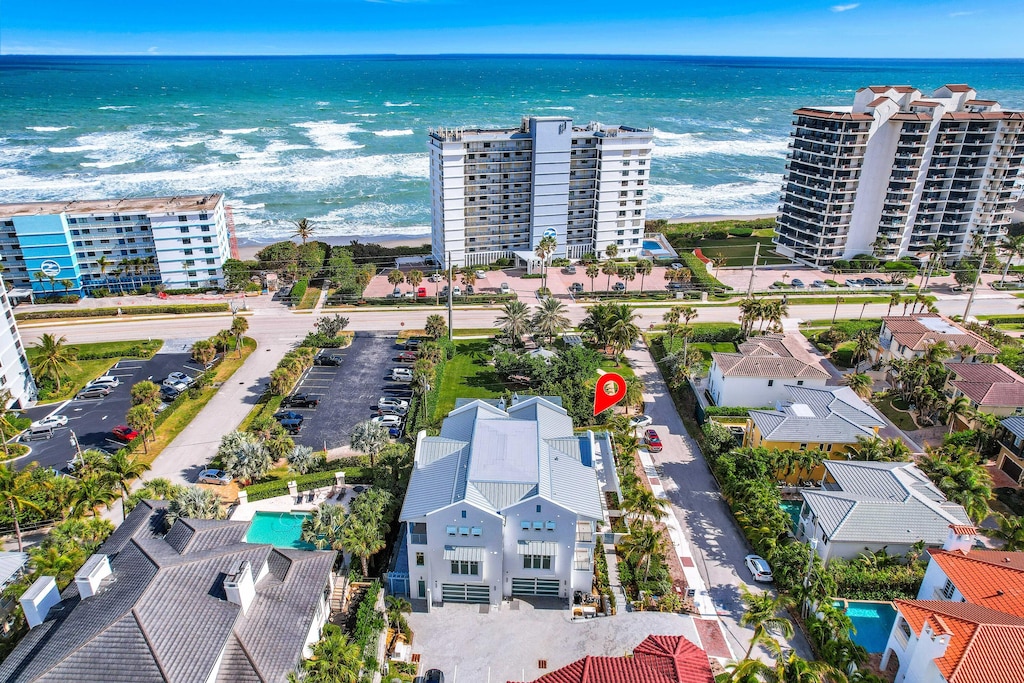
(651, 245)
(792, 508)
(872, 620)
(279, 529)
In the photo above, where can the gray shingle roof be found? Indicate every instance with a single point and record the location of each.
(818, 414)
(163, 616)
(882, 502)
(494, 459)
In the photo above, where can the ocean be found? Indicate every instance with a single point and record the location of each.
(342, 140)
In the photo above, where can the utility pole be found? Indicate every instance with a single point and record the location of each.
(753, 269)
(451, 286)
(977, 279)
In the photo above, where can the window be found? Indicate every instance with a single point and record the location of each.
(450, 530)
(187, 240)
(183, 219)
(463, 531)
(476, 531)
(905, 628)
(465, 567)
(799, 382)
(207, 240)
(207, 250)
(538, 526)
(420, 561)
(625, 173)
(550, 526)
(948, 590)
(538, 508)
(771, 382)
(803, 447)
(524, 525)
(536, 562)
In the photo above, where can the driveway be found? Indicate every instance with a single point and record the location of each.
(349, 392)
(92, 419)
(717, 543)
(474, 643)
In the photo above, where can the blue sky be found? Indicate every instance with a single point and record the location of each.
(801, 28)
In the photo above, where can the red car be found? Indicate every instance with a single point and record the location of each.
(125, 433)
(407, 355)
(652, 440)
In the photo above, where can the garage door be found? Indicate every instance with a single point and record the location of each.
(465, 592)
(1012, 469)
(546, 587)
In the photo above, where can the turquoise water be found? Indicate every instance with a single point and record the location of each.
(343, 140)
(279, 529)
(873, 622)
(792, 508)
(652, 246)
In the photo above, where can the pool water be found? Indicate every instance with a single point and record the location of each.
(873, 622)
(279, 529)
(792, 508)
(651, 245)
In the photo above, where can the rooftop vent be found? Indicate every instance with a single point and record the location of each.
(240, 586)
(92, 573)
(38, 599)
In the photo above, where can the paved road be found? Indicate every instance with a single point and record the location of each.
(719, 546)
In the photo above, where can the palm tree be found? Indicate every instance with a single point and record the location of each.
(865, 342)
(860, 383)
(1011, 532)
(239, 326)
(141, 418)
(611, 251)
(53, 358)
(194, 502)
(396, 277)
(609, 268)
(644, 267)
(249, 460)
(335, 659)
(623, 330)
(396, 609)
(363, 539)
(53, 285)
(16, 489)
(103, 262)
(545, 248)
(550, 319)
(593, 270)
(203, 351)
(369, 437)
(641, 504)
(93, 490)
(787, 667)
(626, 274)
(641, 546)
(67, 285)
(514, 321)
(958, 407)
(1012, 245)
(122, 468)
(304, 229)
(59, 560)
(894, 300)
(323, 527)
(435, 326)
(763, 616)
(468, 276)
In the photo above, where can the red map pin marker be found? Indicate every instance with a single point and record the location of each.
(610, 389)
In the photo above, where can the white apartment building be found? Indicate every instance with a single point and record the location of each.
(180, 242)
(497, 193)
(503, 502)
(15, 375)
(897, 171)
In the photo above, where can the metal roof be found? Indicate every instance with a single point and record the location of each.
(537, 548)
(818, 414)
(464, 553)
(11, 564)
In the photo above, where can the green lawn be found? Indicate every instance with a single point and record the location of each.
(310, 298)
(896, 413)
(85, 371)
(466, 375)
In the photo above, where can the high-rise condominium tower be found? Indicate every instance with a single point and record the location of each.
(898, 171)
(497, 193)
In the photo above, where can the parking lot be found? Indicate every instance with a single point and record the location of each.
(91, 420)
(348, 393)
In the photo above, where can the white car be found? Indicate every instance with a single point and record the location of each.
(385, 402)
(176, 377)
(640, 421)
(177, 386)
(759, 568)
(388, 420)
(480, 274)
(456, 291)
(105, 381)
(505, 289)
(52, 421)
(402, 374)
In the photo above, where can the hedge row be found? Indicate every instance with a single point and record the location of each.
(730, 411)
(304, 482)
(699, 274)
(173, 309)
(714, 332)
(1001, 319)
(299, 289)
(429, 300)
(134, 351)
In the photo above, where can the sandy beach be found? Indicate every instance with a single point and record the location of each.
(247, 250)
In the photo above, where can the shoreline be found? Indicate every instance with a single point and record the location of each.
(247, 248)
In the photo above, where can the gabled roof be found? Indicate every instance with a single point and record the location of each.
(884, 502)
(988, 384)
(818, 414)
(983, 578)
(163, 615)
(11, 564)
(985, 645)
(921, 330)
(658, 659)
(494, 458)
(771, 356)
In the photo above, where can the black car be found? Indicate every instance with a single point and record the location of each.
(413, 343)
(434, 676)
(576, 288)
(288, 415)
(169, 393)
(300, 401)
(291, 426)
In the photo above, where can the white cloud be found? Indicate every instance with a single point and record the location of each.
(960, 14)
(845, 8)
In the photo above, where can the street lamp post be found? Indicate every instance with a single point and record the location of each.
(73, 438)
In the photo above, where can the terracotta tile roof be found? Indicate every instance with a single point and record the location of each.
(887, 88)
(983, 115)
(984, 103)
(988, 384)
(922, 103)
(878, 100)
(658, 659)
(958, 87)
(984, 582)
(985, 645)
(772, 355)
(1000, 558)
(910, 331)
(910, 116)
(964, 529)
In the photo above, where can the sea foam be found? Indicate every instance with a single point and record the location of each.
(331, 136)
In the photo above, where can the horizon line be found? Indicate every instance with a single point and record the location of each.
(212, 55)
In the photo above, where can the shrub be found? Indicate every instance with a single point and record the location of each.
(173, 309)
(741, 232)
(714, 332)
(699, 273)
(840, 265)
(299, 289)
(531, 276)
(899, 266)
(305, 482)
(731, 411)
(831, 283)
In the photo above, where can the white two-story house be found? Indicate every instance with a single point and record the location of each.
(757, 376)
(504, 502)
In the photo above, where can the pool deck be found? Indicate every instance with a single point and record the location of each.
(247, 511)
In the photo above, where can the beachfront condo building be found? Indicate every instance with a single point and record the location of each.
(496, 193)
(899, 171)
(116, 244)
(15, 375)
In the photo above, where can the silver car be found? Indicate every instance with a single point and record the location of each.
(219, 477)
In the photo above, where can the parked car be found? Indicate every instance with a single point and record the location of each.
(854, 283)
(176, 377)
(434, 676)
(569, 270)
(480, 274)
(456, 291)
(36, 432)
(619, 287)
(124, 433)
(674, 285)
(301, 400)
(401, 373)
(576, 288)
(388, 420)
(470, 290)
(385, 402)
(177, 386)
(799, 284)
(394, 432)
(397, 294)
(818, 284)
(436, 277)
(653, 441)
(408, 356)
(214, 477)
(759, 568)
(676, 266)
(640, 421)
(52, 421)
(291, 426)
(413, 343)
(169, 393)
(288, 415)
(94, 392)
(105, 380)
(333, 359)
(421, 292)
(392, 410)
(505, 289)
